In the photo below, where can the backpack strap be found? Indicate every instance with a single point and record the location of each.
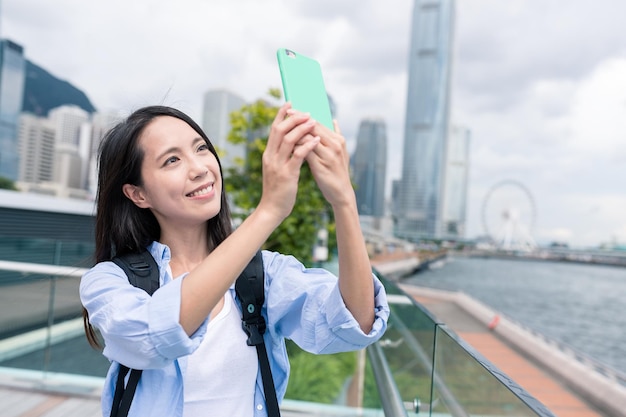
(141, 269)
(142, 272)
(123, 396)
(250, 289)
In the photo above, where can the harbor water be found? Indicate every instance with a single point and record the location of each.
(578, 305)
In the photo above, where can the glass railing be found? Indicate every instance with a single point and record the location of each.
(418, 367)
(436, 373)
(46, 251)
(40, 312)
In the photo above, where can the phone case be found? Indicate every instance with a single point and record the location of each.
(303, 85)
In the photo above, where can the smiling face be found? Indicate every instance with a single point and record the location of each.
(181, 182)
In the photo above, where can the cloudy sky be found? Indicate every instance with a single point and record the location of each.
(541, 84)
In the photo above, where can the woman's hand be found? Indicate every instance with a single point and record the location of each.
(289, 143)
(330, 165)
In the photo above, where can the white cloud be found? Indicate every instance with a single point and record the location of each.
(539, 85)
(598, 115)
(565, 141)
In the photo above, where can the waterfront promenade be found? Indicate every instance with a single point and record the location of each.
(564, 385)
(521, 368)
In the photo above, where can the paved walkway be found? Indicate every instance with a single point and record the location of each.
(549, 391)
(26, 394)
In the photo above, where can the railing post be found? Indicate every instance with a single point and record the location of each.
(53, 281)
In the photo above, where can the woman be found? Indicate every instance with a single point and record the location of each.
(160, 186)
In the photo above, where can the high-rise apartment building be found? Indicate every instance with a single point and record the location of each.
(68, 120)
(71, 147)
(455, 183)
(12, 77)
(217, 107)
(55, 152)
(420, 209)
(36, 149)
(101, 123)
(369, 167)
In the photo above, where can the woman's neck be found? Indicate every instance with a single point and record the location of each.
(188, 248)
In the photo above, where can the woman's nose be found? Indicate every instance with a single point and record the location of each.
(197, 170)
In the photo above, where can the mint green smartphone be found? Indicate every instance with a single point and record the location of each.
(303, 85)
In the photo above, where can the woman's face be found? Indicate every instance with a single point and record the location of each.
(181, 177)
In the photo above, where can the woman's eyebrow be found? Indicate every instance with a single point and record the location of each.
(175, 149)
(162, 155)
(196, 140)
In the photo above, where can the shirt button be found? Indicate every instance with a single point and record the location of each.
(259, 407)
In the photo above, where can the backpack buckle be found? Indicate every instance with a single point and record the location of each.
(254, 331)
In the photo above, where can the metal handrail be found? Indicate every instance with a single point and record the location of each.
(42, 269)
(388, 391)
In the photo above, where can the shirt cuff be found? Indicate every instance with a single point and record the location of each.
(167, 334)
(347, 328)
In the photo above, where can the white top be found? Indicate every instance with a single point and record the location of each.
(221, 373)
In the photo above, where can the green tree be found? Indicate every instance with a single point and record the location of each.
(297, 234)
(318, 378)
(7, 184)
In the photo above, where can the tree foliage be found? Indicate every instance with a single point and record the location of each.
(318, 378)
(297, 233)
(7, 184)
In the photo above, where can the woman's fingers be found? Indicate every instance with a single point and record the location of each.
(272, 141)
(336, 126)
(288, 129)
(329, 163)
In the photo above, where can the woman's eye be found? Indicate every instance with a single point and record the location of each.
(170, 160)
(203, 147)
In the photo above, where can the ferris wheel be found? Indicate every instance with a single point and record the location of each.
(508, 215)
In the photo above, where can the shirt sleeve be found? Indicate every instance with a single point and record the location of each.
(139, 330)
(305, 305)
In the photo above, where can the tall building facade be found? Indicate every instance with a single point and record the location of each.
(36, 149)
(217, 107)
(71, 147)
(369, 167)
(12, 75)
(101, 123)
(420, 209)
(455, 183)
(68, 120)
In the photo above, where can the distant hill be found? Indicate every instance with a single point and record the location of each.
(43, 91)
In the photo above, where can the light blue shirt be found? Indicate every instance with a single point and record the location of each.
(144, 332)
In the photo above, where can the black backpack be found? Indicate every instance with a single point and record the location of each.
(143, 272)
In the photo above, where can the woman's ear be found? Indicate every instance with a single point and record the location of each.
(136, 195)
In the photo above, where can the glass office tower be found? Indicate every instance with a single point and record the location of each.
(12, 76)
(419, 208)
(217, 107)
(369, 167)
(455, 183)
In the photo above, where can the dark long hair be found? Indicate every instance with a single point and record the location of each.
(121, 226)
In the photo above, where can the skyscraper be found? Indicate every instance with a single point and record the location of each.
(68, 120)
(36, 146)
(101, 123)
(218, 105)
(420, 209)
(369, 164)
(11, 95)
(455, 183)
(70, 169)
